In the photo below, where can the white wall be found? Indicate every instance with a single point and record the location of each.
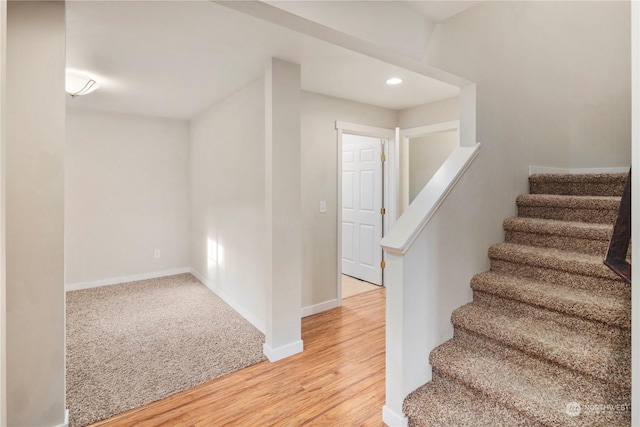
(228, 200)
(429, 114)
(426, 155)
(126, 194)
(546, 94)
(538, 92)
(320, 182)
(35, 139)
(556, 90)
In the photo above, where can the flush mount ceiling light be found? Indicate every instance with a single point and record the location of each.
(394, 81)
(78, 83)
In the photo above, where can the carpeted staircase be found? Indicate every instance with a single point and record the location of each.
(546, 340)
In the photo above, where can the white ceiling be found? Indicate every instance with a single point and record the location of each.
(176, 58)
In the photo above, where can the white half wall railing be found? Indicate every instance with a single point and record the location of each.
(413, 294)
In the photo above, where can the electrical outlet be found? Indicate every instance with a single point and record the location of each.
(156, 253)
(323, 206)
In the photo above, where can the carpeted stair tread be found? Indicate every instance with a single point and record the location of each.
(445, 403)
(578, 184)
(591, 349)
(569, 201)
(536, 388)
(598, 209)
(575, 229)
(614, 310)
(562, 278)
(571, 262)
(590, 238)
(547, 338)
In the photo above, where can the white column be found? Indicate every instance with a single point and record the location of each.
(283, 210)
(411, 330)
(34, 129)
(392, 413)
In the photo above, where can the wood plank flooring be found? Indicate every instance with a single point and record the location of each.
(352, 286)
(337, 381)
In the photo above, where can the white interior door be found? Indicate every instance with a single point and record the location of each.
(362, 207)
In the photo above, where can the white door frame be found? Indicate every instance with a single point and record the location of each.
(404, 137)
(390, 183)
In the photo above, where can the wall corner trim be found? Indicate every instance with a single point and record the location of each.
(66, 420)
(392, 419)
(284, 351)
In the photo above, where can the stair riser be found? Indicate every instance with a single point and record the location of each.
(445, 402)
(579, 264)
(608, 316)
(586, 246)
(455, 399)
(565, 316)
(444, 364)
(595, 189)
(562, 278)
(614, 365)
(595, 216)
(526, 419)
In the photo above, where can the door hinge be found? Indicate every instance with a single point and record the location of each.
(383, 211)
(383, 158)
(382, 264)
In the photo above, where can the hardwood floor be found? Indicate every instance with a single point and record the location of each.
(352, 286)
(337, 381)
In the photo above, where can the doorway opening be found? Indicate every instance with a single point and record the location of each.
(366, 204)
(362, 211)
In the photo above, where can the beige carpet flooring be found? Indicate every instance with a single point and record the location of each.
(547, 338)
(131, 344)
(352, 286)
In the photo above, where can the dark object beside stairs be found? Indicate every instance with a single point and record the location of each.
(616, 258)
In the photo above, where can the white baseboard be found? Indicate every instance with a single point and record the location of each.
(318, 308)
(282, 352)
(392, 419)
(546, 169)
(125, 279)
(66, 420)
(250, 317)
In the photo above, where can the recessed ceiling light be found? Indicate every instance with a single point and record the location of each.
(394, 81)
